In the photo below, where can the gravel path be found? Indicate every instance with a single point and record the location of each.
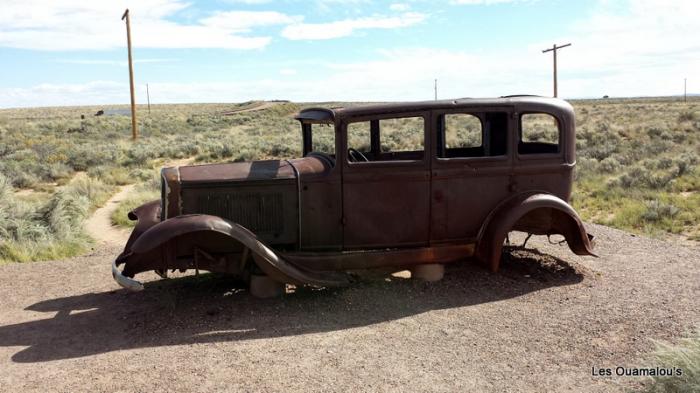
(541, 324)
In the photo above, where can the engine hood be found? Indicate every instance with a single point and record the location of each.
(233, 172)
(262, 196)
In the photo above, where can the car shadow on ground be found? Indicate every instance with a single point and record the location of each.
(209, 308)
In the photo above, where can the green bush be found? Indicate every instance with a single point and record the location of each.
(657, 211)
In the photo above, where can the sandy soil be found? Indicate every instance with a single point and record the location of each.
(541, 324)
(99, 225)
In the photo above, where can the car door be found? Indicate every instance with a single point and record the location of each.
(471, 168)
(386, 181)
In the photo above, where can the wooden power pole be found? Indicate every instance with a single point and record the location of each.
(134, 130)
(435, 86)
(553, 49)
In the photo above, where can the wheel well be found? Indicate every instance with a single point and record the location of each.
(540, 214)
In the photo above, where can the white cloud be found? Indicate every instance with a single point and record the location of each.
(245, 20)
(644, 49)
(97, 92)
(121, 63)
(247, 1)
(288, 71)
(344, 28)
(482, 2)
(78, 25)
(399, 7)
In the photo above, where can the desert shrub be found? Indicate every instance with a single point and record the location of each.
(65, 213)
(664, 163)
(139, 155)
(609, 165)
(59, 171)
(111, 175)
(686, 163)
(48, 229)
(657, 211)
(93, 189)
(83, 157)
(687, 116)
(679, 137)
(641, 177)
(654, 132)
(685, 356)
(585, 165)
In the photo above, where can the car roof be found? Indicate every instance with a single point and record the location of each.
(329, 115)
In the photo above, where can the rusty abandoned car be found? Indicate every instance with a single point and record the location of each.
(401, 186)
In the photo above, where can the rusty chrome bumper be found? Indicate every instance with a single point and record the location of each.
(123, 281)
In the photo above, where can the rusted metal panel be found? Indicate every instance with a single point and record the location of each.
(239, 171)
(271, 211)
(311, 220)
(533, 212)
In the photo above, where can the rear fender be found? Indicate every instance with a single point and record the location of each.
(160, 246)
(536, 213)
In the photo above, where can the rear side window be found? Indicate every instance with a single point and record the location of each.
(462, 130)
(540, 133)
(464, 135)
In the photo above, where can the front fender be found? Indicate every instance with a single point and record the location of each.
(146, 216)
(536, 213)
(162, 245)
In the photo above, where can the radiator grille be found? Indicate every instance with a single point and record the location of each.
(255, 211)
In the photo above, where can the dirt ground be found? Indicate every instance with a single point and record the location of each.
(99, 224)
(541, 324)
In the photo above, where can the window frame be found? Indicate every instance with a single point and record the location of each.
(478, 112)
(425, 115)
(313, 134)
(444, 124)
(519, 136)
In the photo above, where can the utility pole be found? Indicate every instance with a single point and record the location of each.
(435, 87)
(148, 97)
(553, 49)
(685, 89)
(134, 131)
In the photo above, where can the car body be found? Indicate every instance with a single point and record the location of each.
(383, 186)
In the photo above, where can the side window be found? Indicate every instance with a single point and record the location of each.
(359, 137)
(395, 139)
(405, 134)
(539, 133)
(324, 138)
(463, 135)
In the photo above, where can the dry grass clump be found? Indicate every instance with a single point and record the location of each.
(685, 356)
(47, 229)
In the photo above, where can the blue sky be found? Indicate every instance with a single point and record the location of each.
(72, 52)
